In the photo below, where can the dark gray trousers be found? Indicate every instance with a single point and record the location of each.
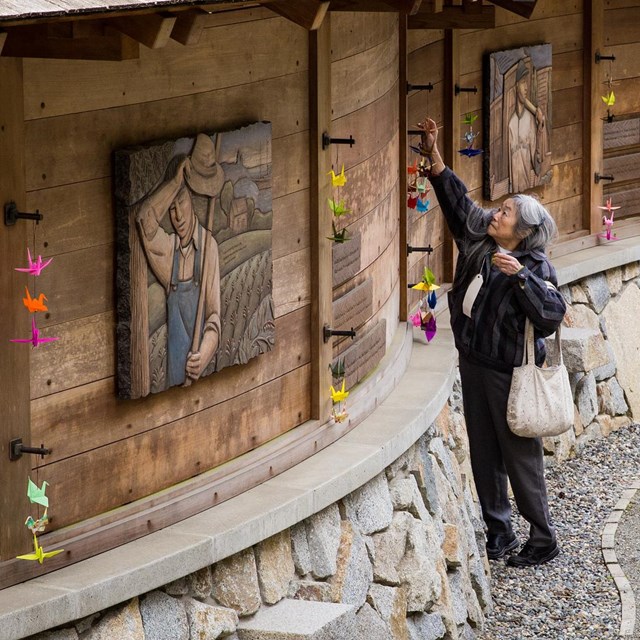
(498, 454)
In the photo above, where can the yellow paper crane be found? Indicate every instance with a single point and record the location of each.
(338, 180)
(39, 553)
(339, 396)
(609, 99)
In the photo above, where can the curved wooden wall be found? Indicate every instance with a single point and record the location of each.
(364, 91)
(560, 24)
(109, 452)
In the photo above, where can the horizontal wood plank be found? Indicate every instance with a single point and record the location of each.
(80, 146)
(565, 34)
(355, 33)
(60, 87)
(129, 469)
(361, 79)
(77, 419)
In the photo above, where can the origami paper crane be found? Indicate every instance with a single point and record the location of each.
(469, 118)
(35, 338)
(412, 169)
(338, 180)
(338, 208)
(609, 99)
(429, 326)
(428, 282)
(39, 553)
(34, 304)
(412, 201)
(422, 186)
(37, 526)
(36, 494)
(422, 206)
(470, 152)
(608, 222)
(341, 394)
(432, 300)
(337, 369)
(426, 320)
(35, 268)
(338, 236)
(339, 413)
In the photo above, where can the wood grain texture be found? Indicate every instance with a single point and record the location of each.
(73, 155)
(15, 322)
(59, 87)
(129, 469)
(89, 416)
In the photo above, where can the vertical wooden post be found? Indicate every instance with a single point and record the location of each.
(14, 321)
(451, 130)
(593, 132)
(320, 192)
(402, 161)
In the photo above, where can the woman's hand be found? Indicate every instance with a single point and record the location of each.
(429, 135)
(506, 263)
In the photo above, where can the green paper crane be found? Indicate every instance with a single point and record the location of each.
(36, 495)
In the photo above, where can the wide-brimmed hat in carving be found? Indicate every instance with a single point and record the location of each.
(203, 173)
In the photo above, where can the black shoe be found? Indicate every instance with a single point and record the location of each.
(499, 545)
(530, 556)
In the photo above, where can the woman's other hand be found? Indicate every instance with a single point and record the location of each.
(506, 263)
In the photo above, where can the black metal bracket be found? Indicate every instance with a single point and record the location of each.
(16, 449)
(599, 57)
(597, 177)
(458, 89)
(12, 215)
(327, 332)
(415, 132)
(419, 87)
(610, 117)
(327, 140)
(428, 249)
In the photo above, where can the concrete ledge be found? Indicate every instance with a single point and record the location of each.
(419, 381)
(578, 265)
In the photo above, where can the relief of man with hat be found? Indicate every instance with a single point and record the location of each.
(186, 262)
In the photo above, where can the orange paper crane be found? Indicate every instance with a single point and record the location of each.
(34, 304)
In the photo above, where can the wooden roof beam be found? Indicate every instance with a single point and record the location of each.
(189, 26)
(35, 41)
(152, 30)
(523, 8)
(3, 38)
(474, 15)
(306, 13)
(375, 6)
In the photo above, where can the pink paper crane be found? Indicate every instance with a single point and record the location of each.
(35, 338)
(35, 267)
(608, 222)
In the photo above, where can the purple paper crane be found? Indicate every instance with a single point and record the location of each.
(35, 267)
(35, 338)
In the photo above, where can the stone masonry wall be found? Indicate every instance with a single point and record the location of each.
(406, 550)
(601, 348)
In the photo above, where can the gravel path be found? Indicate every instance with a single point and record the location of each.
(627, 548)
(574, 595)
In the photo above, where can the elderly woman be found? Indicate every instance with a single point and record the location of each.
(502, 277)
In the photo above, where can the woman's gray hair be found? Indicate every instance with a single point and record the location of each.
(534, 225)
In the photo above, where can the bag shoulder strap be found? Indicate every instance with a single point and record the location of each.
(529, 351)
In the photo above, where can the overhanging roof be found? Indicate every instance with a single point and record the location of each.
(114, 29)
